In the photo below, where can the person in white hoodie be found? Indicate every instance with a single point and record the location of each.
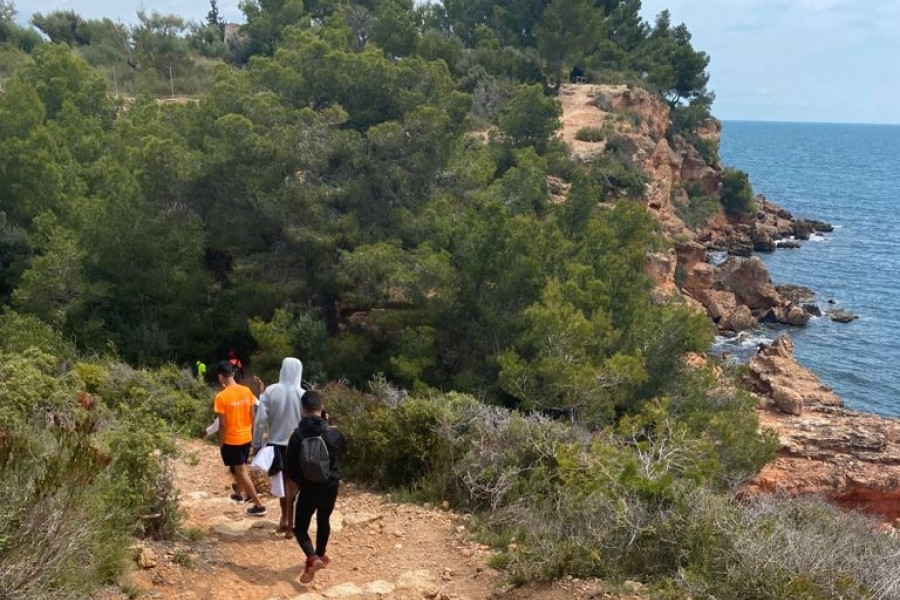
(278, 413)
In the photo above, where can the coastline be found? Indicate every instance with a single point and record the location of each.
(850, 457)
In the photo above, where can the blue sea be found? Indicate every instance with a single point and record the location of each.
(849, 176)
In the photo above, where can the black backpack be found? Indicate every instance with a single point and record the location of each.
(315, 462)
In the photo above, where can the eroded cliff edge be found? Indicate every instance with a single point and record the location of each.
(849, 457)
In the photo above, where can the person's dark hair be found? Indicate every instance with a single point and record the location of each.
(224, 368)
(311, 401)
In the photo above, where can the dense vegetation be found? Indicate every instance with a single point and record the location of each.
(84, 446)
(325, 196)
(375, 188)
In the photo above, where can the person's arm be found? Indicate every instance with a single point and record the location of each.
(291, 467)
(219, 409)
(213, 427)
(260, 422)
(222, 427)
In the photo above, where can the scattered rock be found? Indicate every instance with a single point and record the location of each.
(242, 527)
(775, 367)
(812, 309)
(841, 316)
(787, 400)
(359, 519)
(748, 279)
(380, 588)
(788, 244)
(146, 558)
(308, 596)
(445, 505)
(198, 495)
(803, 229)
(791, 315)
(795, 294)
(420, 581)
(344, 590)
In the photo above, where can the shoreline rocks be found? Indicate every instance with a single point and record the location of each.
(850, 458)
(840, 315)
(775, 374)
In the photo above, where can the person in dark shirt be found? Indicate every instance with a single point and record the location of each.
(317, 486)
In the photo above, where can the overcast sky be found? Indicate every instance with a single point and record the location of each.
(785, 60)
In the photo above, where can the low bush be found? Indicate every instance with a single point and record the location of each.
(590, 134)
(58, 538)
(19, 332)
(699, 208)
(83, 451)
(737, 194)
(771, 547)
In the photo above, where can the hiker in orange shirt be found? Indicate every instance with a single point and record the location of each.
(234, 408)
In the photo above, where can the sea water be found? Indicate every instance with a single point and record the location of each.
(849, 176)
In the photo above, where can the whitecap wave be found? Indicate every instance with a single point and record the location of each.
(742, 347)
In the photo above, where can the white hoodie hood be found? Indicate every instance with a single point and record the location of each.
(279, 406)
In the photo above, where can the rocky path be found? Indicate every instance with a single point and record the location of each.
(379, 549)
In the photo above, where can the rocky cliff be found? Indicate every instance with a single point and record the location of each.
(851, 458)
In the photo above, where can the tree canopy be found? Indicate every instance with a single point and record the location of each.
(327, 190)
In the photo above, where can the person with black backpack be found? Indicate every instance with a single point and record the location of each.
(311, 463)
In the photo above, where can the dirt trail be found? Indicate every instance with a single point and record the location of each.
(379, 549)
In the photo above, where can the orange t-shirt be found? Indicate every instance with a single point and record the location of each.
(236, 403)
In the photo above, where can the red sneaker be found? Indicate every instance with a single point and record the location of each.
(325, 560)
(313, 564)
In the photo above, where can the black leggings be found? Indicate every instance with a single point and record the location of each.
(309, 500)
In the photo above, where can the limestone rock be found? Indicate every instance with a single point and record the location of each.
(359, 519)
(380, 588)
(242, 527)
(198, 495)
(787, 400)
(146, 558)
(748, 279)
(795, 294)
(421, 581)
(775, 367)
(788, 315)
(344, 590)
(840, 315)
(309, 596)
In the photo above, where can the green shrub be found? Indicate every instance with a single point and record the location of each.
(140, 486)
(391, 447)
(19, 332)
(31, 383)
(770, 548)
(57, 537)
(168, 393)
(737, 194)
(289, 333)
(590, 134)
(699, 209)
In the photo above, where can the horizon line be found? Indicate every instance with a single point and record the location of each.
(795, 122)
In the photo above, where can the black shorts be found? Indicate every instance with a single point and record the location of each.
(235, 456)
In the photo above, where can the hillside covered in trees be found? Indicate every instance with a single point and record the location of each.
(363, 184)
(377, 188)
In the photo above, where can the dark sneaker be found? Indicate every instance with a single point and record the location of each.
(256, 511)
(237, 497)
(313, 564)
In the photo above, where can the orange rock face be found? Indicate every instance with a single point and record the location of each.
(851, 458)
